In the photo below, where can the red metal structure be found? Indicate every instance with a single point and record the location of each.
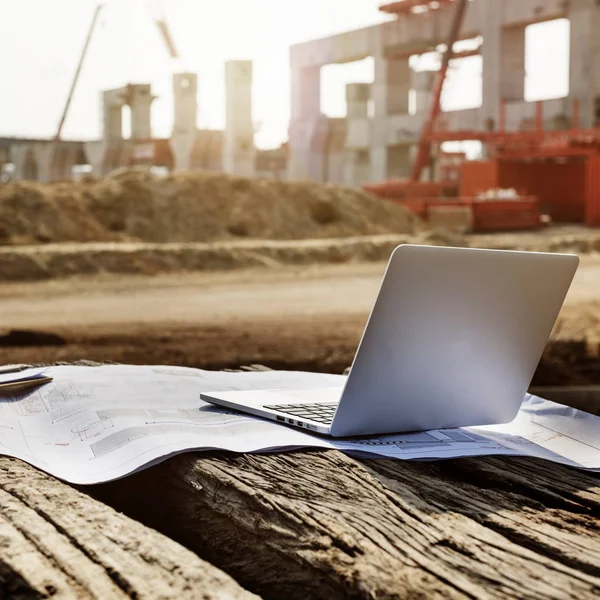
(424, 148)
(553, 172)
(405, 6)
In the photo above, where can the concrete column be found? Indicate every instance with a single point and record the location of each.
(503, 54)
(112, 104)
(44, 158)
(512, 64)
(306, 92)
(357, 168)
(490, 12)
(422, 83)
(63, 161)
(391, 85)
(95, 152)
(23, 158)
(305, 114)
(238, 147)
(334, 149)
(357, 100)
(140, 100)
(182, 147)
(185, 129)
(584, 68)
(356, 160)
(185, 92)
(390, 94)
(317, 155)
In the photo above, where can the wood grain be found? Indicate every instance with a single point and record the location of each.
(58, 542)
(317, 524)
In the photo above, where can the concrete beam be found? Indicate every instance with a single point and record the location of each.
(336, 49)
(416, 33)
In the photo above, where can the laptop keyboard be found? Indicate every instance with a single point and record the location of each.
(321, 412)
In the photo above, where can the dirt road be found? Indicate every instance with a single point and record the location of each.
(307, 317)
(209, 299)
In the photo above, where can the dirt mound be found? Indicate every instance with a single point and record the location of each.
(33, 213)
(191, 207)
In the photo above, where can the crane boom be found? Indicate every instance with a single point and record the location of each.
(424, 147)
(78, 71)
(167, 38)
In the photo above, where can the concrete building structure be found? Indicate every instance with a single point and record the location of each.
(381, 125)
(238, 145)
(188, 147)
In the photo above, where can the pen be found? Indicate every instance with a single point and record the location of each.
(13, 369)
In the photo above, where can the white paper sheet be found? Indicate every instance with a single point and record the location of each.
(94, 424)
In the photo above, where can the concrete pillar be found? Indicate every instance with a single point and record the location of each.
(95, 152)
(140, 100)
(185, 92)
(305, 114)
(357, 100)
(357, 168)
(422, 83)
(391, 85)
(390, 94)
(306, 92)
(182, 147)
(23, 158)
(584, 68)
(335, 151)
(112, 105)
(491, 50)
(512, 64)
(356, 160)
(44, 158)
(238, 148)
(185, 129)
(503, 54)
(317, 155)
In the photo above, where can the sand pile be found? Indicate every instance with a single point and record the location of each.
(135, 205)
(33, 213)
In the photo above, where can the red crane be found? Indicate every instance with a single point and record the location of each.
(424, 147)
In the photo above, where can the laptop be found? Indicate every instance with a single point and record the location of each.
(453, 340)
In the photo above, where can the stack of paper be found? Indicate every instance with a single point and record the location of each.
(94, 424)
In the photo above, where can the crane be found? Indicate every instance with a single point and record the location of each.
(86, 45)
(424, 146)
(165, 34)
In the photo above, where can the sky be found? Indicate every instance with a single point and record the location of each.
(41, 40)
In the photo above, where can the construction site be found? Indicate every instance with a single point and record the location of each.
(201, 249)
(259, 341)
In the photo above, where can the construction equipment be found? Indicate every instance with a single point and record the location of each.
(164, 31)
(424, 147)
(86, 45)
(446, 198)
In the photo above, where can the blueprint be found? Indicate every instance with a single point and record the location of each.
(95, 424)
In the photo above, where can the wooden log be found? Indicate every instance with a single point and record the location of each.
(316, 524)
(57, 541)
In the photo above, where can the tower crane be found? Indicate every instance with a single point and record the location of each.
(165, 34)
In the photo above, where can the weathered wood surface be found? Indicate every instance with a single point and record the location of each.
(308, 524)
(317, 524)
(58, 542)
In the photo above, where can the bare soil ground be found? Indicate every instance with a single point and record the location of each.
(297, 318)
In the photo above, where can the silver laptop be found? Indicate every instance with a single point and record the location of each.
(453, 340)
